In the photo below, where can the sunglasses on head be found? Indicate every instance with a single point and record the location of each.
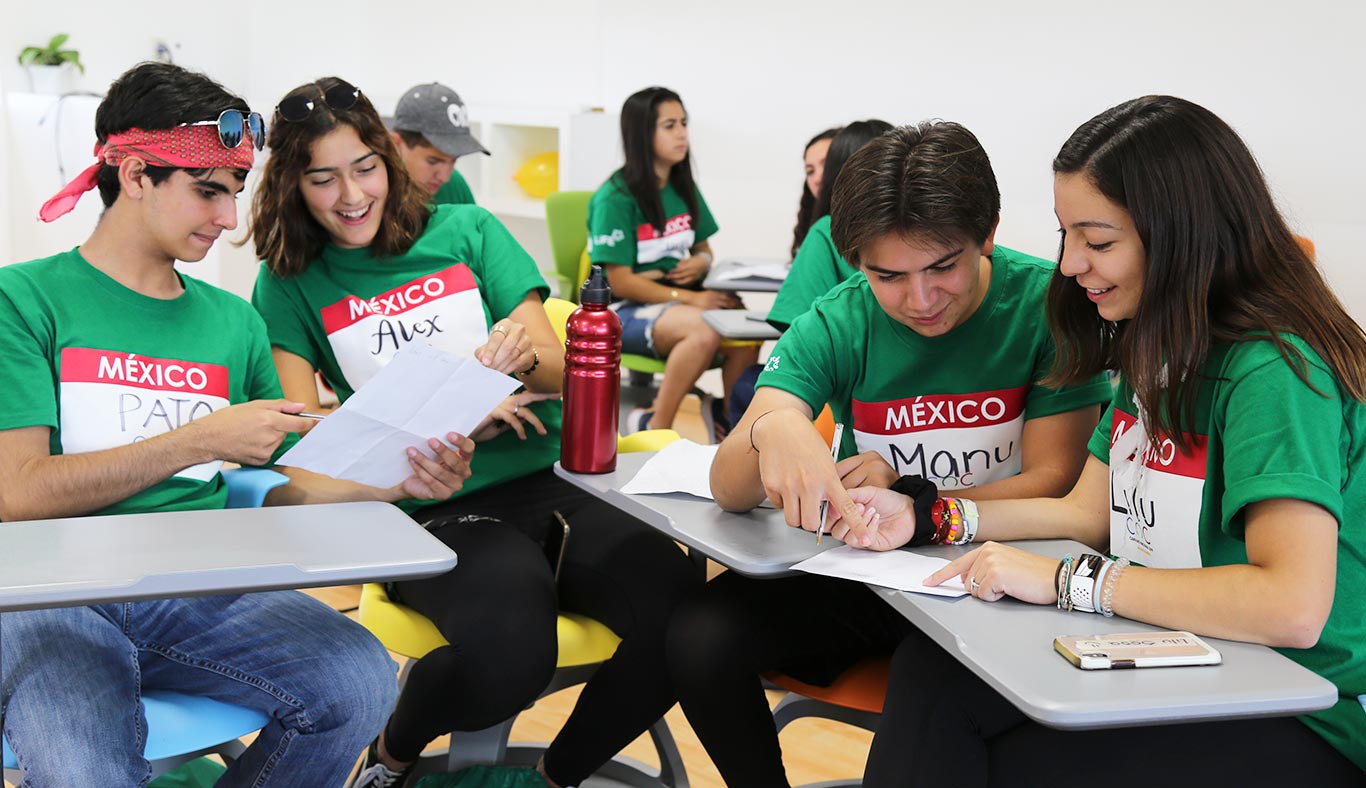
(232, 127)
(341, 96)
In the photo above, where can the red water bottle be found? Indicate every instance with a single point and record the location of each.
(592, 381)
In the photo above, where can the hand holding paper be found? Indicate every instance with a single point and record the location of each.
(422, 392)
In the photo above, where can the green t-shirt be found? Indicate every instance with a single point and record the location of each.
(1260, 433)
(349, 312)
(619, 234)
(816, 268)
(950, 408)
(455, 191)
(104, 366)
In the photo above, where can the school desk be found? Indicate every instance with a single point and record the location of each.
(740, 323)
(120, 558)
(1009, 644)
(717, 278)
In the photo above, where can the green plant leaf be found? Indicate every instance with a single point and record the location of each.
(73, 57)
(28, 54)
(57, 41)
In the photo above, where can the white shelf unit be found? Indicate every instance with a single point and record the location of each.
(586, 141)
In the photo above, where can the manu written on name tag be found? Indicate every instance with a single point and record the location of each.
(954, 440)
(110, 399)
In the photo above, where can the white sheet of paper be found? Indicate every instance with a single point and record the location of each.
(682, 466)
(728, 270)
(893, 569)
(422, 393)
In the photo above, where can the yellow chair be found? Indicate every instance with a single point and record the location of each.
(583, 645)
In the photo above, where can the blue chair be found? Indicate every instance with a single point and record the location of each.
(181, 728)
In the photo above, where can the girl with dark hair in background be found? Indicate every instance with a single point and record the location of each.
(817, 266)
(649, 225)
(1238, 425)
(813, 161)
(356, 263)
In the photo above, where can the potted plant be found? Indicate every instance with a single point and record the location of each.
(49, 67)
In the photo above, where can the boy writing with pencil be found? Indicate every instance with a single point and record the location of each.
(932, 356)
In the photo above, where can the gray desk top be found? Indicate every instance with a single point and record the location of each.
(94, 560)
(1008, 643)
(740, 323)
(753, 284)
(756, 543)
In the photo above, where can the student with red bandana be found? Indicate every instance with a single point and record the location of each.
(129, 386)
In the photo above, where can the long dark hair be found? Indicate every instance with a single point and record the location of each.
(1222, 265)
(806, 209)
(846, 143)
(286, 235)
(638, 117)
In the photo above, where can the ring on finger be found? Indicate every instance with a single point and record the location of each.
(515, 408)
(973, 585)
(502, 329)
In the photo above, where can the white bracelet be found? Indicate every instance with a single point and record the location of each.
(705, 256)
(970, 518)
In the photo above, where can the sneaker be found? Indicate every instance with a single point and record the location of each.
(637, 420)
(713, 412)
(374, 774)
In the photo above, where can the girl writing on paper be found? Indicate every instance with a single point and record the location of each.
(1225, 489)
(357, 264)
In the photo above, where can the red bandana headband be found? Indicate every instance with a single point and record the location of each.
(191, 147)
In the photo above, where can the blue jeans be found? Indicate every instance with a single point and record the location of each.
(71, 682)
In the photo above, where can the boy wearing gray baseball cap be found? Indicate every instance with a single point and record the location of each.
(432, 129)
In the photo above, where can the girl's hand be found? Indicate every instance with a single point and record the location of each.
(508, 349)
(689, 270)
(436, 479)
(888, 520)
(868, 469)
(512, 413)
(994, 571)
(713, 299)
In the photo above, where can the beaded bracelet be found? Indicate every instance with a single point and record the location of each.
(535, 362)
(1107, 591)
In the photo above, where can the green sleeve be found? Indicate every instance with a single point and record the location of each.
(1044, 401)
(507, 273)
(286, 317)
(804, 361)
(612, 226)
(456, 191)
(706, 223)
(1281, 439)
(28, 367)
(814, 271)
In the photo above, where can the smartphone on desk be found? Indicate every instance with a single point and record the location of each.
(556, 540)
(1136, 650)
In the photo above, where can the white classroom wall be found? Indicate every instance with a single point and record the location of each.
(759, 77)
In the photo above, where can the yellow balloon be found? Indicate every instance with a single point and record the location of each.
(539, 175)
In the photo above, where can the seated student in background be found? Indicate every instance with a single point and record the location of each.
(357, 264)
(934, 362)
(1230, 474)
(649, 224)
(817, 265)
(813, 163)
(431, 129)
(129, 386)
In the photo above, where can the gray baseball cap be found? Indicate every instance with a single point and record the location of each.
(437, 113)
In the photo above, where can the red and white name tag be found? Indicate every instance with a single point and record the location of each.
(955, 440)
(443, 309)
(1157, 522)
(676, 241)
(110, 399)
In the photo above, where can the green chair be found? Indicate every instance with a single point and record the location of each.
(566, 219)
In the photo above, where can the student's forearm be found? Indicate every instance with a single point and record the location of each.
(735, 480)
(549, 374)
(306, 487)
(634, 287)
(1041, 518)
(70, 485)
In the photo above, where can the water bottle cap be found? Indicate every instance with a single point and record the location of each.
(596, 290)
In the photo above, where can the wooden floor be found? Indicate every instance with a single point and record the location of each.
(813, 750)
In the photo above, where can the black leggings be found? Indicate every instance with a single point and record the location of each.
(810, 627)
(954, 730)
(498, 610)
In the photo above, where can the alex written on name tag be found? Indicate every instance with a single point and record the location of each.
(110, 399)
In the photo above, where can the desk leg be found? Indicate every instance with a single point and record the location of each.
(699, 560)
